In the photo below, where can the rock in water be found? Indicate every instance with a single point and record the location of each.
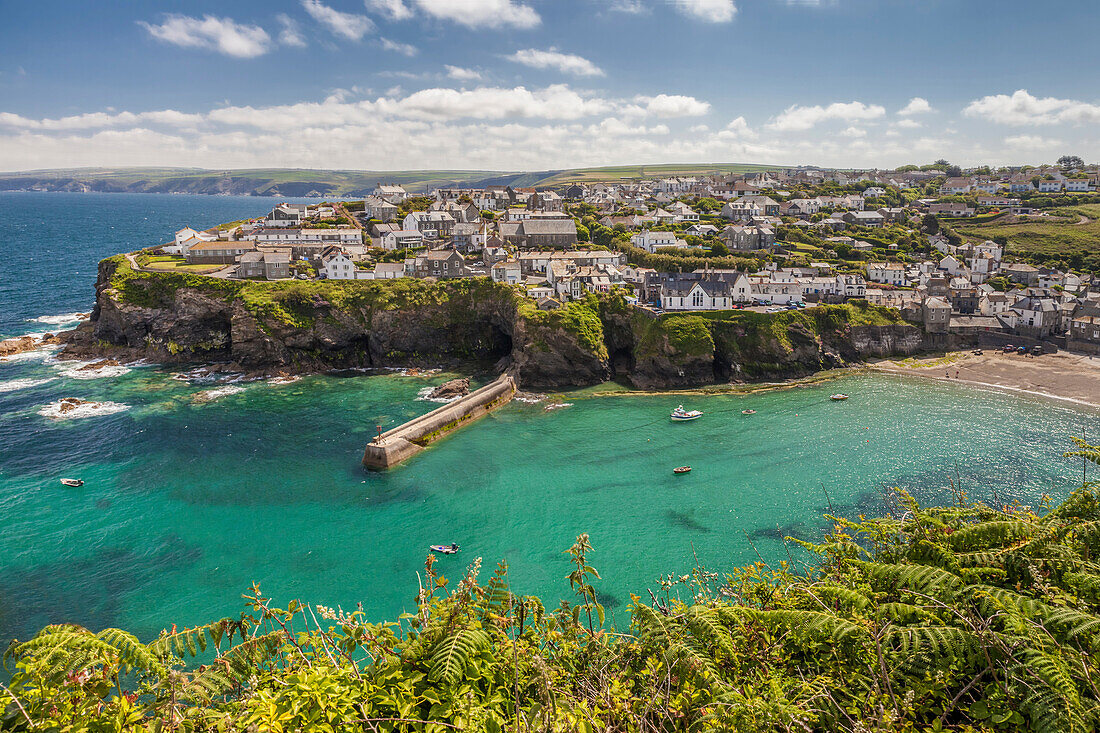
(68, 404)
(99, 365)
(451, 389)
(17, 345)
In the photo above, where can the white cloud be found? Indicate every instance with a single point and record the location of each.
(482, 13)
(487, 127)
(392, 9)
(290, 35)
(908, 124)
(854, 132)
(98, 120)
(555, 102)
(711, 11)
(630, 7)
(1021, 108)
(1031, 142)
(567, 63)
(461, 74)
(740, 128)
(669, 105)
(345, 25)
(916, 106)
(401, 48)
(796, 117)
(223, 35)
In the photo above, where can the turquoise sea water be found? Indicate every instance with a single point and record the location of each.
(191, 496)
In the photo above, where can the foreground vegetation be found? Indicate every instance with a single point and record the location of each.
(968, 617)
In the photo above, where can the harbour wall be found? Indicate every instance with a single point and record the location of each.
(405, 441)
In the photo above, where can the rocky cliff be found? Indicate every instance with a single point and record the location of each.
(309, 326)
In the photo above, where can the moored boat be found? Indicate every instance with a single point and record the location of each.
(681, 469)
(444, 549)
(838, 397)
(748, 412)
(681, 415)
(72, 482)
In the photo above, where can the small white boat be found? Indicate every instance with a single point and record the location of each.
(74, 482)
(444, 549)
(748, 412)
(681, 415)
(838, 397)
(681, 469)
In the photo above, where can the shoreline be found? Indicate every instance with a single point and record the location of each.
(723, 390)
(1065, 377)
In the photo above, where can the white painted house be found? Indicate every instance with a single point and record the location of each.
(337, 265)
(651, 241)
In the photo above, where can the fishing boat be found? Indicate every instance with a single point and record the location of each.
(838, 397)
(681, 415)
(444, 549)
(748, 412)
(681, 469)
(74, 482)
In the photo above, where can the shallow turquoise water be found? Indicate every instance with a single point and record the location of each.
(187, 503)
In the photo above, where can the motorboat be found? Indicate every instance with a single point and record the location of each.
(748, 412)
(444, 549)
(681, 415)
(681, 469)
(74, 482)
(838, 397)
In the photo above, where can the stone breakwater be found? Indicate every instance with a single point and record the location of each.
(401, 443)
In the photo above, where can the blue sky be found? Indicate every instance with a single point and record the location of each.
(539, 84)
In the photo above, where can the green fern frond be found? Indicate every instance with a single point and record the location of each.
(1084, 450)
(452, 654)
(814, 624)
(991, 534)
(920, 578)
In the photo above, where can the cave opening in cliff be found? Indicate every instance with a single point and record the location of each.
(622, 362)
(723, 370)
(499, 343)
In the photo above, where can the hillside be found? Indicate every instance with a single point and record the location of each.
(315, 326)
(1070, 237)
(303, 182)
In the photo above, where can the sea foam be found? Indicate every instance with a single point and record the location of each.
(18, 384)
(56, 410)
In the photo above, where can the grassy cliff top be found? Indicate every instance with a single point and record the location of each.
(296, 302)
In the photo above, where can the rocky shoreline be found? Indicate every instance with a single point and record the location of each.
(467, 325)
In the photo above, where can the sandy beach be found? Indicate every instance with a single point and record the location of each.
(1063, 376)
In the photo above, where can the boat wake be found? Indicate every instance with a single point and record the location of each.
(18, 384)
(70, 408)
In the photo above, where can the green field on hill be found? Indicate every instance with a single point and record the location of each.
(615, 173)
(1061, 239)
(328, 183)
